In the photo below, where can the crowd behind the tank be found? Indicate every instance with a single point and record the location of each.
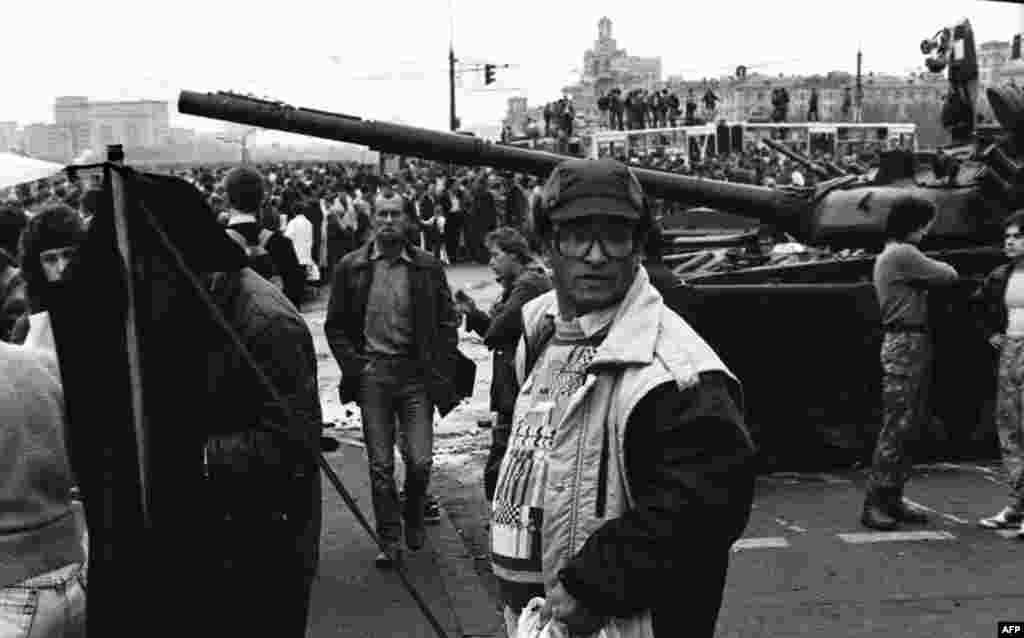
(325, 208)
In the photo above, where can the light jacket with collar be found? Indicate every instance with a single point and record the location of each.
(587, 485)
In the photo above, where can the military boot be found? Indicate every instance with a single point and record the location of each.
(875, 514)
(902, 512)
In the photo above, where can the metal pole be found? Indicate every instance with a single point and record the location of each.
(858, 97)
(453, 121)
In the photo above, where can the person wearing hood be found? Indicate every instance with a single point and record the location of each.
(522, 278)
(48, 246)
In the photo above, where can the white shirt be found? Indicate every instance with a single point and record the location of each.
(797, 178)
(300, 231)
(1015, 304)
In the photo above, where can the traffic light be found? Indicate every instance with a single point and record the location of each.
(488, 73)
(1015, 50)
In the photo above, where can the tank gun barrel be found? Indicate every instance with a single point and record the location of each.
(801, 159)
(784, 210)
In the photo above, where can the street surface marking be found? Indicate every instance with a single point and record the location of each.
(883, 537)
(769, 542)
(808, 477)
(959, 466)
(949, 517)
(789, 525)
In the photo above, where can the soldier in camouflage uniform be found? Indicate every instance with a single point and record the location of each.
(1002, 295)
(902, 274)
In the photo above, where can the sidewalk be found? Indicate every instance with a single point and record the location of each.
(353, 599)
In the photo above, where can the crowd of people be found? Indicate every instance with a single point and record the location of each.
(642, 108)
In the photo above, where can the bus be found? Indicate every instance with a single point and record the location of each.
(573, 145)
(689, 142)
(837, 138)
(697, 142)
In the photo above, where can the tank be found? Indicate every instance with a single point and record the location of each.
(803, 337)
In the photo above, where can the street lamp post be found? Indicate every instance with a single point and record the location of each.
(242, 141)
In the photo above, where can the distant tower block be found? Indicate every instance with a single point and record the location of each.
(604, 29)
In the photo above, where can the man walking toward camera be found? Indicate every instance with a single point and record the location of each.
(392, 327)
(629, 466)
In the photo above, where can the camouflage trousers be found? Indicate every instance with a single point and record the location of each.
(906, 376)
(1009, 415)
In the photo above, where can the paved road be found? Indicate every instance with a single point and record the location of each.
(807, 568)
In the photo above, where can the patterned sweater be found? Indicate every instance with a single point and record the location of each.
(518, 506)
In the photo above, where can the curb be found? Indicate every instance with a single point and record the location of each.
(475, 611)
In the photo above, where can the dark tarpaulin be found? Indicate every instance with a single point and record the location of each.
(138, 573)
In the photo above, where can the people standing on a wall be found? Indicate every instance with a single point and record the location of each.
(691, 108)
(671, 106)
(846, 109)
(710, 104)
(902, 275)
(812, 107)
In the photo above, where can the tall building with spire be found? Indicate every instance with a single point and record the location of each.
(605, 66)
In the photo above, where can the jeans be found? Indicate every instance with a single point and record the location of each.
(395, 387)
(51, 604)
(500, 433)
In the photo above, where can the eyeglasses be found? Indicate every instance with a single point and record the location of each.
(577, 240)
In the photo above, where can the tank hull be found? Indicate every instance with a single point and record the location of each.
(805, 342)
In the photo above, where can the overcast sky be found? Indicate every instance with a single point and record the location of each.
(387, 59)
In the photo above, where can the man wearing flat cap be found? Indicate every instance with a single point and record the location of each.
(629, 472)
(392, 327)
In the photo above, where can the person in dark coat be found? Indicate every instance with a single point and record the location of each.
(482, 220)
(265, 494)
(455, 222)
(392, 327)
(345, 232)
(522, 278)
(245, 191)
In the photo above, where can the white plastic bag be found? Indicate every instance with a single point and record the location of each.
(530, 625)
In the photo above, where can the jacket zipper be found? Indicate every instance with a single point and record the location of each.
(602, 473)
